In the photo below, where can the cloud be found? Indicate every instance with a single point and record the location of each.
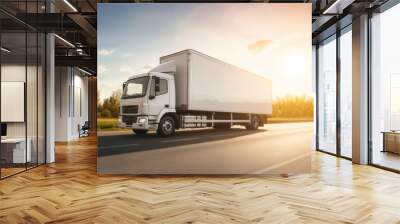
(126, 55)
(125, 68)
(147, 67)
(259, 46)
(105, 52)
(101, 69)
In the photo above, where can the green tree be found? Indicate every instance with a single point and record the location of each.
(99, 104)
(111, 105)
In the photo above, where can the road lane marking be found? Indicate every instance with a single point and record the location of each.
(180, 139)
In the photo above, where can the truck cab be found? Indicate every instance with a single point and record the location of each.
(146, 98)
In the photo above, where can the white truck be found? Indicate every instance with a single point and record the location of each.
(192, 90)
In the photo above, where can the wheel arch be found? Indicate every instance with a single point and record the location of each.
(164, 112)
(261, 118)
(169, 112)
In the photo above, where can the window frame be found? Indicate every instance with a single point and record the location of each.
(159, 84)
(144, 91)
(334, 37)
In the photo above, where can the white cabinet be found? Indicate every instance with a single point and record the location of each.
(17, 145)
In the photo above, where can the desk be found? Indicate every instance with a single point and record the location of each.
(391, 141)
(13, 150)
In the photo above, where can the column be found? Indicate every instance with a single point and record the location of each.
(360, 90)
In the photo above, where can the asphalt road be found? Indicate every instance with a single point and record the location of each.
(275, 148)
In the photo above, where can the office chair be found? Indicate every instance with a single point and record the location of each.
(84, 130)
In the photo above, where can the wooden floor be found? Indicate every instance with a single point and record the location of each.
(70, 191)
(8, 171)
(387, 159)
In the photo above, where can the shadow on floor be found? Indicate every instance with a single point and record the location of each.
(128, 143)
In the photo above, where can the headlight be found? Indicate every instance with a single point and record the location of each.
(142, 120)
(120, 119)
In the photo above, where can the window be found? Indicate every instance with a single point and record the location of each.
(327, 96)
(158, 86)
(334, 106)
(346, 93)
(135, 87)
(385, 89)
(395, 102)
(162, 87)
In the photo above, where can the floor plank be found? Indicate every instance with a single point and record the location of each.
(70, 191)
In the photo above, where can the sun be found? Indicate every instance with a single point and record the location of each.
(295, 64)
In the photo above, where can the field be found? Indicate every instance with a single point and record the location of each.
(107, 124)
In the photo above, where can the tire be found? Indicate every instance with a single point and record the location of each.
(166, 127)
(140, 132)
(254, 123)
(222, 126)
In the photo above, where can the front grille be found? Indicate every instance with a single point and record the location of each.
(129, 119)
(130, 109)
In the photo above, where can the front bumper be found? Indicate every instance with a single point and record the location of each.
(140, 123)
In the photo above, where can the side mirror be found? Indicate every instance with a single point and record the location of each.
(152, 96)
(123, 86)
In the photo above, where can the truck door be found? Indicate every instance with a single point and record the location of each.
(159, 95)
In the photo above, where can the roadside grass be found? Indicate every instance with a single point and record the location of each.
(274, 120)
(108, 124)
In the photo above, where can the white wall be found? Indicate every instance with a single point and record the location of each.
(16, 73)
(80, 105)
(71, 87)
(33, 126)
(12, 73)
(62, 82)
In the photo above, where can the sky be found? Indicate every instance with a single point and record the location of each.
(271, 40)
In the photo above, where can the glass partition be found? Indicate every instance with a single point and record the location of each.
(31, 97)
(22, 66)
(13, 117)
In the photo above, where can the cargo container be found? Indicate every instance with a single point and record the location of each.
(193, 90)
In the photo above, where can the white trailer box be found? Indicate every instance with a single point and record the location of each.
(204, 83)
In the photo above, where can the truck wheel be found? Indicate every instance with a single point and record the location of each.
(254, 123)
(140, 132)
(166, 127)
(222, 126)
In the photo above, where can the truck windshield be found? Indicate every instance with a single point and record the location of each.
(136, 87)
